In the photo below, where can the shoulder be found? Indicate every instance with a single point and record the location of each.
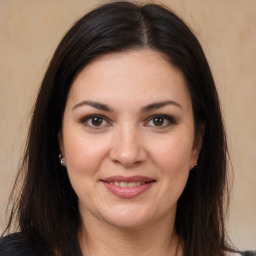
(248, 253)
(244, 253)
(15, 244)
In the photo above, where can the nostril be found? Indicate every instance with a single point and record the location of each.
(127, 152)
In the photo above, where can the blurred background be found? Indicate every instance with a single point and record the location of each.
(30, 31)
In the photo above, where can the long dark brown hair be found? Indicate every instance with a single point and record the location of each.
(46, 207)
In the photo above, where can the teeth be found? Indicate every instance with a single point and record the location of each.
(123, 184)
(132, 184)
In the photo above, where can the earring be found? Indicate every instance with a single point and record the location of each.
(62, 160)
(195, 163)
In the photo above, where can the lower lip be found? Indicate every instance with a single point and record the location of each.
(128, 192)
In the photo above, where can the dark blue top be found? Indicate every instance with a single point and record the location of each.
(15, 245)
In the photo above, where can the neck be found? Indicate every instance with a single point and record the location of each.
(99, 238)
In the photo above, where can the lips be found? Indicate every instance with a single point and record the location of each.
(127, 179)
(124, 184)
(127, 187)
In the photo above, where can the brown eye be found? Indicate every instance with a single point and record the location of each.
(158, 121)
(96, 121)
(161, 121)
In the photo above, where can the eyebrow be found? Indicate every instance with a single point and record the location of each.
(104, 107)
(161, 104)
(94, 104)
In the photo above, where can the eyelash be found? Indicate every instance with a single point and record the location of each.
(168, 121)
(85, 120)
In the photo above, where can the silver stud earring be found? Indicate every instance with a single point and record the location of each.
(195, 163)
(62, 160)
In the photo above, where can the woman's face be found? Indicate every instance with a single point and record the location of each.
(128, 138)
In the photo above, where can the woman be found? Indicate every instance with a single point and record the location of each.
(126, 152)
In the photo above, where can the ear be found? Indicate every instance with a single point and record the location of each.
(61, 144)
(198, 141)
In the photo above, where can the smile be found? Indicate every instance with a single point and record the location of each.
(128, 187)
(123, 184)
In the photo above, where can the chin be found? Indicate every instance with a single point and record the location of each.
(128, 217)
(128, 223)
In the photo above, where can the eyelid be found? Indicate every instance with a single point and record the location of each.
(84, 120)
(171, 120)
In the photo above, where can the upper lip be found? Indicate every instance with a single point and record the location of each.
(127, 179)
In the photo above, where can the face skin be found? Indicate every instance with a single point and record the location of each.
(112, 126)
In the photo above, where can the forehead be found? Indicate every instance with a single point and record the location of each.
(136, 75)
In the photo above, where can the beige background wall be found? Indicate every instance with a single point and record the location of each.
(31, 29)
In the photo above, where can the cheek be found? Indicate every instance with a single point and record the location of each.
(83, 154)
(174, 154)
(173, 161)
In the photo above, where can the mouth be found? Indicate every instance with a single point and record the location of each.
(128, 187)
(130, 181)
(123, 184)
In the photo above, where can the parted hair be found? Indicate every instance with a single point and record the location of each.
(45, 206)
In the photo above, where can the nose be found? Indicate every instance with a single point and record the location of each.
(127, 147)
